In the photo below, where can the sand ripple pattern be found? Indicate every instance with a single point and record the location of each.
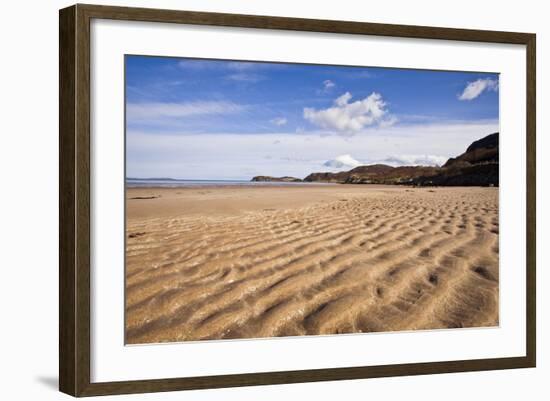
(419, 259)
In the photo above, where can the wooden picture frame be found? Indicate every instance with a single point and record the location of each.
(74, 199)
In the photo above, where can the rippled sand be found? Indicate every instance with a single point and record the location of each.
(216, 263)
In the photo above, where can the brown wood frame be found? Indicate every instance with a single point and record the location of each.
(74, 199)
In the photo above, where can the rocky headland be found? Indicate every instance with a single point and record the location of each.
(477, 166)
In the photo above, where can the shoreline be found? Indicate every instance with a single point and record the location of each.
(220, 184)
(233, 200)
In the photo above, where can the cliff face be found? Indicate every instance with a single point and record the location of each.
(484, 150)
(478, 166)
(327, 177)
(266, 178)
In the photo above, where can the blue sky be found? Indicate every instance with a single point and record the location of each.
(210, 119)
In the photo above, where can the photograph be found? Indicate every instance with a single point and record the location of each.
(275, 199)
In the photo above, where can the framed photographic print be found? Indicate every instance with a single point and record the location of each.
(250, 200)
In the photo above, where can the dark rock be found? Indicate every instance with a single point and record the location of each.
(485, 174)
(484, 150)
(265, 178)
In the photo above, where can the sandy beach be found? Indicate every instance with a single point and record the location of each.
(265, 261)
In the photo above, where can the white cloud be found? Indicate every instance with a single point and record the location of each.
(245, 77)
(328, 84)
(415, 160)
(342, 162)
(152, 111)
(350, 118)
(279, 121)
(343, 100)
(476, 88)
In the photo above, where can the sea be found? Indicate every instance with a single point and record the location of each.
(177, 183)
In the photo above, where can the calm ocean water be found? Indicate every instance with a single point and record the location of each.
(174, 183)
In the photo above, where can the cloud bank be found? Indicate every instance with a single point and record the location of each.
(415, 160)
(235, 156)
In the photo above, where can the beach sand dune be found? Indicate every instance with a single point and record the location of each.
(249, 262)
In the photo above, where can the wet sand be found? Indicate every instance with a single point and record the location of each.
(248, 262)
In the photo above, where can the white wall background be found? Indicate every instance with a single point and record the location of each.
(28, 198)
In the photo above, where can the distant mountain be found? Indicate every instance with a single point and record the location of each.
(478, 166)
(375, 174)
(266, 178)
